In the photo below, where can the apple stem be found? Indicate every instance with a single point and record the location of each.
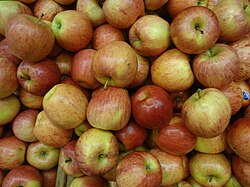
(198, 93)
(106, 84)
(210, 178)
(198, 29)
(40, 18)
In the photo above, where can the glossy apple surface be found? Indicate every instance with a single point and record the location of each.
(64, 62)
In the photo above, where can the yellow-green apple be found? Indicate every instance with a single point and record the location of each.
(210, 169)
(46, 9)
(9, 108)
(154, 5)
(242, 48)
(38, 77)
(49, 177)
(8, 9)
(72, 29)
(29, 100)
(241, 170)
(8, 80)
(50, 134)
(88, 181)
(195, 29)
(238, 138)
(174, 168)
(65, 105)
(139, 168)
(150, 35)
(81, 69)
(83, 127)
(131, 136)
(122, 14)
(5, 51)
(233, 181)
(172, 71)
(24, 175)
(96, 151)
(193, 182)
(12, 152)
(109, 102)
(234, 19)
(23, 125)
(64, 62)
(206, 113)
(216, 144)
(115, 64)
(67, 160)
(216, 67)
(245, 88)
(174, 7)
(152, 107)
(106, 33)
(93, 10)
(179, 98)
(41, 156)
(234, 94)
(35, 38)
(174, 137)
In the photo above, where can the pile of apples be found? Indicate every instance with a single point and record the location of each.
(135, 93)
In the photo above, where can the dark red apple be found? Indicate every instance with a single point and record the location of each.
(179, 98)
(49, 177)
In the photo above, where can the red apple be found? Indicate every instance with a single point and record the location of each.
(178, 99)
(49, 177)
(90, 181)
(64, 61)
(30, 100)
(154, 5)
(65, 2)
(152, 107)
(5, 51)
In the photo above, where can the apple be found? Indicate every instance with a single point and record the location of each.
(172, 71)
(106, 33)
(193, 182)
(8, 80)
(66, 2)
(152, 107)
(46, 9)
(9, 108)
(109, 109)
(35, 38)
(41, 156)
(150, 35)
(174, 137)
(245, 89)
(49, 177)
(69, 35)
(83, 127)
(154, 5)
(241, 170)
(50, 134)
(81, 69)
(12, 152)
(93, 10)
(122, 14)
(30, 100)
(139, 168)
(64, 62)
(89, 181)
(233, 182)
(65, 105)
(216, 67)
(115, 64)
(96, 151)
(24, 175)
(238, 138)
(212, 3)
(195, 29)
(233, 16)
(206, 113)
(9, 9)
(178, 99)
(38, 77)
(210, 169)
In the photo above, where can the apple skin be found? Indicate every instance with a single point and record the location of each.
(179, 98)
(81, 69)
(192, 35)
(139, 169)
(122, 14)
(150, 35)
(193, 182)
(12, 152)
(64, 62)
(152, 107)
(24, 175)
(29, 100)
(245, 89)
(174, 168)
(35, 38)
(210, 169)
(49, 177)
(241, 170)
(1, 177)
(115, 64)
(108, 102)
(179, 139)
(83, 127)
(216, 117)
(65, 2)
(96, 151)
(89, 181)
(49, 134)
(233, 181)
(172, 71)
(8, 80)
(106, 33)
(67, 160)
(154, 5)
(69, 35)
(217, 67)
(238, 138)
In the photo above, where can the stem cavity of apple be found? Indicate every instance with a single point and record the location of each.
(198, 93)
(148, 168)
(68, 160)
(101, 156)
(106, 84)
(39, 19)
(198, 29)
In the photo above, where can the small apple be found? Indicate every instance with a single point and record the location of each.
(29, 100)
(179, 98)
(49, 177)
(154, 5)
(83, 127)
(66, 2)
(233, 181)
(64, 62)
